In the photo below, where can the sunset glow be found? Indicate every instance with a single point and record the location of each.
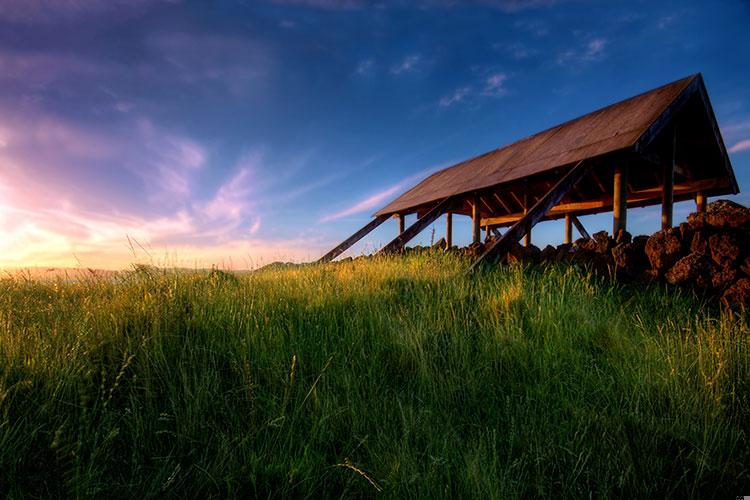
(197, 135)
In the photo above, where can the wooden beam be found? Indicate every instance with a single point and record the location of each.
(500, 200)
(581, 230)
(401, 223)
(568, 228)
(635, 198)
(518, 200)
(536, 213)
(351, 240)
(402, 239)
(475, 218)
(448, 230)
(700, 202)
(667, 186)
(598, 181)
(527, 238)
(620, 199)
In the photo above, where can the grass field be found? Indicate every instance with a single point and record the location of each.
(400, 377)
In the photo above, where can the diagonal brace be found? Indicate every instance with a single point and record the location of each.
(351, 240)
(537, 212)
(402, 239)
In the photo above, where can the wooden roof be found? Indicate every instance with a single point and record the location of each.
(630, 125)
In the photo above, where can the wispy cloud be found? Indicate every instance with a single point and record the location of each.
(593, 50)
(365, 67)
(740, 146)
(407, 65)
(455, 97)
(492, 86)
(42, 11)
(380, 198)
(324, 4)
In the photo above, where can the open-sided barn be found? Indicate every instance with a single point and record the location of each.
(655, 148)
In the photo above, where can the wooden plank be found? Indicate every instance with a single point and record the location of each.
(568, 228)
(448, 230)
(581, 230)
(536, 213)
(667, 186)
(402, 239)
(475, 217)
(401, 223)
(527, 238)
(700, 202)
(620, 199)
(351, 240)
(598, 181)
(604, 204)
(500, 200)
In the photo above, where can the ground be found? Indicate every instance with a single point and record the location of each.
(397, 377)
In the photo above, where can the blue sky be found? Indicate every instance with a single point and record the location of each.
(237, 133)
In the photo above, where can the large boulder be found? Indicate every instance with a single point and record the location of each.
(699, 243)
(737, 295)
(548, 253)
(721, 214)
(721, 276)
(601, 242)
(725, 248)
(688, 270)
(663, 249)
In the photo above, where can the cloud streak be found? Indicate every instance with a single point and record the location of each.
(740, 146)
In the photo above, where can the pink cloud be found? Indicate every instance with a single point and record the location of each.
(743, 145)
(377, 200)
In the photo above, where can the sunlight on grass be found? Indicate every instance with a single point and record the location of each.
(405, 375)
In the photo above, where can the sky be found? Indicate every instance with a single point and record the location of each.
(237, 133)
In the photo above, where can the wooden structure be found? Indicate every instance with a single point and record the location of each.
(655, 148)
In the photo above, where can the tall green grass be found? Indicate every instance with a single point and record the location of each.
(397, 377)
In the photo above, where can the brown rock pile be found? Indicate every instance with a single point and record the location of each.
(710, 253)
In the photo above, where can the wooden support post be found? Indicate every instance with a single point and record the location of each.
(535, 214)
(351, 240)
(402, 239)
(581, 230)
(667, 186)
(620, 200)
(700, 202)
(475, 216)
(527, 238)
(568, 228)
(448, 230)
(401, 223)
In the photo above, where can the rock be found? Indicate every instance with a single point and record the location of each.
(687, 270)
(602, 242)
(738, 294)
(563, 252)
(725, 248)
(548, 254)
(440, 245)
(686, 235)
(722, 276)
(474, 250)
(515, 254)
(663, 248)
(623, 236)
(639, 244)
(745, 265)
(531, 253)
(580, 242)
(721, 214)
(699, 243)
